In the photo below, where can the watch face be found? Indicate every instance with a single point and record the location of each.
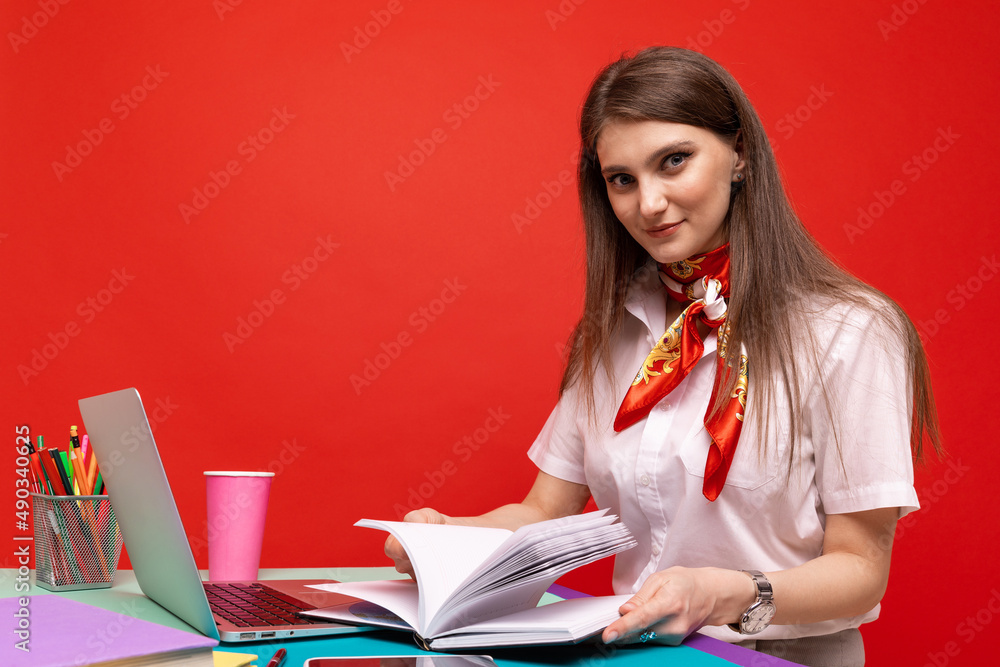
(758, 618)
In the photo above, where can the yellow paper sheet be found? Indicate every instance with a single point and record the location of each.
(224, 659)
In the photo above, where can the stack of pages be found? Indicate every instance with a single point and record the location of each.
(480, 587)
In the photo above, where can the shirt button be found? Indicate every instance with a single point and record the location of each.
(656, 550)
(644, 480)
(663, 405)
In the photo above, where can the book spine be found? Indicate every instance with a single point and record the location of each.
(421, 642)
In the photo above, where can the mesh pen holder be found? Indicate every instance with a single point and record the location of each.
(77, 542)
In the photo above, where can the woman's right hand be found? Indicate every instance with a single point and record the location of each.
(394, 550)
(549, 498)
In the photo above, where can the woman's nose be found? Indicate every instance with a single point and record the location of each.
(652, 200)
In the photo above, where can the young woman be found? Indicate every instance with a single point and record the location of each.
(745, 406)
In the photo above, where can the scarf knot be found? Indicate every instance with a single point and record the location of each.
(701, 281)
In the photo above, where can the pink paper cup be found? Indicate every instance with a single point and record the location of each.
(237, 507)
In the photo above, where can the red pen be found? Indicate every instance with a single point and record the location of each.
(39, 474)
(277, 658)
(45, 458)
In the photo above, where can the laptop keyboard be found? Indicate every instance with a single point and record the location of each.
(255, 605)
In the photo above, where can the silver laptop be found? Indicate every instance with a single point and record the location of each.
(158, 547)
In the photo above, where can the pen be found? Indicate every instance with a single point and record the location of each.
(44, 458)
(49, 465)
(80, 481)
(65, 469)
(40, 482)
(277, 658)
(89, 468)
(43, 478)
(39, 486)
(35, 486)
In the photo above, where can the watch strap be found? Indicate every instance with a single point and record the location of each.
(765, 593)
(764, 590)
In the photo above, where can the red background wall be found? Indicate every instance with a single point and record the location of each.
(465, 269)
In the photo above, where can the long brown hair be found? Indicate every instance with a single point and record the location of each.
(766, 239)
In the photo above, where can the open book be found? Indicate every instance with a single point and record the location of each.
(479, 587)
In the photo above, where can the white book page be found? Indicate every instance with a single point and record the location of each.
(565, 621)
(536, 535)
(542, 562)
(501, 602)
(442, 557)
(360, 612)
(399, 596)
(567, 615)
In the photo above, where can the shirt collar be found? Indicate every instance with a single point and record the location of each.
(646, 300)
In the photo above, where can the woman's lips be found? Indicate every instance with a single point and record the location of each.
(663, 230)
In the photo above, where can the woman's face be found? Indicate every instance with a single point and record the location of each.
(669, 184)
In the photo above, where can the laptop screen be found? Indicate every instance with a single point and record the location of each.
(144, 506)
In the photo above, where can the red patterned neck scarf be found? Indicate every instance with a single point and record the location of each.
(703, 282)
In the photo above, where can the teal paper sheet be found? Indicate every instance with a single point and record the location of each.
(399, 643)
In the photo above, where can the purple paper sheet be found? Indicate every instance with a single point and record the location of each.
(64, 633)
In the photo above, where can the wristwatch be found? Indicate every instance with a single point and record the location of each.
(758, 615)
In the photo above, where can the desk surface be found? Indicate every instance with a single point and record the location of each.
(126, 598)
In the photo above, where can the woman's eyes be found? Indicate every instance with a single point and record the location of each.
(621, 180)
(675, 160)
(671, 162)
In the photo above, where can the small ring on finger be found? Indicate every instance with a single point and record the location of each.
(646, 636)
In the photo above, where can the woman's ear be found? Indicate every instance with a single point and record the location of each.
(738, 147)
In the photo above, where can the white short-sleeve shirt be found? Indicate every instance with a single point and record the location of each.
(651, 474)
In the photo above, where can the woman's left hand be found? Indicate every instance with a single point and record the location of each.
(675, 602)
